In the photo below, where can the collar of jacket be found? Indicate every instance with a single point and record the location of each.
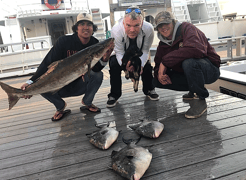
(165, 40)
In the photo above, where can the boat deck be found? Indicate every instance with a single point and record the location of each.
(210, 147)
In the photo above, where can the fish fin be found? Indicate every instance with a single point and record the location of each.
(54, 64)
(51, 68)
(112, 124)
(134, 127)
(13, 99)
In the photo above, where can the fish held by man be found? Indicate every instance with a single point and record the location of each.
(62, 72)
(103, 138)
(132, 161)
(147, 128)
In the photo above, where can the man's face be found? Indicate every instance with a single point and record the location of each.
(132, 27)
(166, 30)
(85, 29)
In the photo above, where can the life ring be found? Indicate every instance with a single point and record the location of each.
(52, 7)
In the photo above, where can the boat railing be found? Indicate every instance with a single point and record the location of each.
(37, 9)
(22, 55)
(234, 48)
(229, 49)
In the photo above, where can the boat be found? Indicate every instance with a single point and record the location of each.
(29, 30)
(32, 29)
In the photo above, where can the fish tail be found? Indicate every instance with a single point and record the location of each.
(12, 97)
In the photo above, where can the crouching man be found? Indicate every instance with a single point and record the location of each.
(184, 61)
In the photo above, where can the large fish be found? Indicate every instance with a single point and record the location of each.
(103, 138)
(62, 72)
(132, 161)
(147, 128)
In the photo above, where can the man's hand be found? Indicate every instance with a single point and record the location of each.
(23, 87)
(106, 56)
(83, 77)
(162, 76)
(128, 67)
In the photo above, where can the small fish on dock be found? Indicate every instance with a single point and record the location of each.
(147, 128)
(132, 161)
(104, 137)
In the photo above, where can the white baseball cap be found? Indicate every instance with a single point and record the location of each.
(84, 17)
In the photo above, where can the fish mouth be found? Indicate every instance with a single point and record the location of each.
(108, 45)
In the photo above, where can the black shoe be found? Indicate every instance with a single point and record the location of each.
(197, 108)
(111, 102)
(153, 95)
(190, 96)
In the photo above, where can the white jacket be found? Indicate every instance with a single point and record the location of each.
(118, 33)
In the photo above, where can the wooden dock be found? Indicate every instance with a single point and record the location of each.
(210, 147)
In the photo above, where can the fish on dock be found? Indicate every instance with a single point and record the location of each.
(61, 73)
(147, 128)
(104, 137)
(132, 161)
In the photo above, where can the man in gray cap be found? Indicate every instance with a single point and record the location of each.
(184, 61)
(67, 46)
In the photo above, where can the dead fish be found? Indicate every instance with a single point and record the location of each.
(62, 72)
(132, 161)
(151, 129)
(104, 138)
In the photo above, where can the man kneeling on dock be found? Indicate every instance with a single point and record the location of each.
(88, 84)
(185, 61)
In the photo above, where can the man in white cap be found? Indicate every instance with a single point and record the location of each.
(131, 33)
(67, 46)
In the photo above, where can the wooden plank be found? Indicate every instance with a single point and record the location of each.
(173, 161)
(170, 130)
(55, 127)
(33, 147)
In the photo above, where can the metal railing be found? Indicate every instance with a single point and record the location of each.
(23, 54)
(235, 48)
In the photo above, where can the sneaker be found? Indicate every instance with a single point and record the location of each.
(153, 95)
(111, 102)
(190, 96)
(197, 108)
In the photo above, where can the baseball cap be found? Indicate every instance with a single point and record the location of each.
(164, 17)
(84, 17)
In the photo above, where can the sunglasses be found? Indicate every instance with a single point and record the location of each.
(138, 11)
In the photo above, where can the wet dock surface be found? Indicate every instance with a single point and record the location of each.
(210, 147)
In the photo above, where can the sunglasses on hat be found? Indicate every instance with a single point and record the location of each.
(129, 10)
